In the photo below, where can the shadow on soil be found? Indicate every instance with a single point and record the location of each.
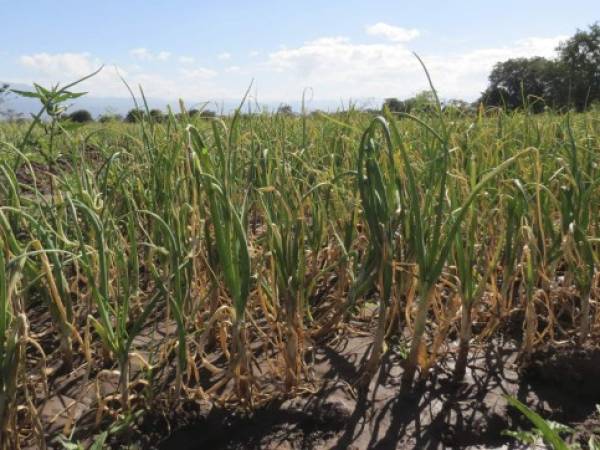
(438, 413)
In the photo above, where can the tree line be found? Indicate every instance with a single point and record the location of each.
(569, 81)
(134, 116)
(157, 116)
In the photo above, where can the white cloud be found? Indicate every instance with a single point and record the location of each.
(143, 54)
(48, 69)
(163, 56)
(540, 46)
(394, 34)
(52, 68)
(186, 59)
(198, 73)
(466, 74)
(253, 53)
(334, 67)
(140, 53)
(332, 59)
(224, 56)
(67, 64)
(337, 67)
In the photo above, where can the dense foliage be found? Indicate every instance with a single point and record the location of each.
(80, 116)
(572, 80)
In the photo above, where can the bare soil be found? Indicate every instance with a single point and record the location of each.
(41, 174)
(559, 383)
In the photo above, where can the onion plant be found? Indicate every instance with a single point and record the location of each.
(380, 199)
(13, 342)
(476, 264)
(114, 325)
(286, 242)
(576, 197)
(9, 358)
(432, 231)
(231, 243)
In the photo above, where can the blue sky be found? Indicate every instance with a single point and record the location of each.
(340, 49)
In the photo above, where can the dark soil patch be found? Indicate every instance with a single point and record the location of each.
(40, 175)
(567, 379)
(275, 426)
(438, 414)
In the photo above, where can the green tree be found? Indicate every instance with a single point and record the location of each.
(134, 116)
(458, 106)
(208, 114)
(571, 80)
(581, 57)
(521, 82)
(424, 101)
(397, 106)
(110, 117)
(157, 115)
(285, 110)
(80, 116)
(204, 113)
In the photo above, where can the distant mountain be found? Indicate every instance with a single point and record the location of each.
(95, 105)
(118, 105)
